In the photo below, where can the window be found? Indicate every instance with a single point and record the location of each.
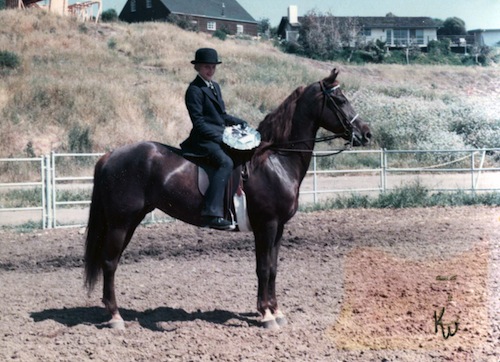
(149, 4)
(239, 29)
(292, 35)
(417, 36)
(211, 25)
(400, 36)
(133, 6)
(367, 32)
(388, 36)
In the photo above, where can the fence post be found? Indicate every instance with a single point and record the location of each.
(44, 192)
(315, 180)
(473, 187)
(53, 188)
(383, 161)
(481, 164)
(48, 222)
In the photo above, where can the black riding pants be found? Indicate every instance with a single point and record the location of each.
(214, 197)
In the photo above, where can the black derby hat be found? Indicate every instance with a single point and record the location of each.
(206, 56)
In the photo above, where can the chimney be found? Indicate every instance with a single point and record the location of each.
(293, 17)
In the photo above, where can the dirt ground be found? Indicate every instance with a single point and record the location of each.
(356, 285)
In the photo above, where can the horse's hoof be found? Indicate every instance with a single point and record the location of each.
(116, 324)
(269, 321)
(270, 324)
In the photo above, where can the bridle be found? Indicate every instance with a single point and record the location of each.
(348, 126)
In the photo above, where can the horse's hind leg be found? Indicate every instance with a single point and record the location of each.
(116, 241)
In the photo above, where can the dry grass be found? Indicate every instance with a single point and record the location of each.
(126, 82)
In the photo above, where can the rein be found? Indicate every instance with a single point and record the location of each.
(348, 127)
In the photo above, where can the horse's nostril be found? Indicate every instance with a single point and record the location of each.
(368, 135)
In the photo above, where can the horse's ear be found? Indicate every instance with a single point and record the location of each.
(332, 77)
(334, 73)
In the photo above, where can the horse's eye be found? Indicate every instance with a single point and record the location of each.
(340, 100)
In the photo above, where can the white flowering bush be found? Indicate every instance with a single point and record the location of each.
(404, 119)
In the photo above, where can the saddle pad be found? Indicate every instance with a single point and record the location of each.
(240, 208)
(239, 201)
(202, 180)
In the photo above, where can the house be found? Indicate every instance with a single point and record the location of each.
(206, 16)
(81, 10)
(20, 4)
(486, 37)
(396, 31)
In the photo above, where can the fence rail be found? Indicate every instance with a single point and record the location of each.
(55, 178)
(30, 174)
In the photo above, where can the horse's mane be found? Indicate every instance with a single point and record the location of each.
(277, 125)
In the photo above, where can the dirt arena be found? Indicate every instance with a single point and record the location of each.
(356, 285)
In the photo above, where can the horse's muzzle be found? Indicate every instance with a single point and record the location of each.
(362, 135)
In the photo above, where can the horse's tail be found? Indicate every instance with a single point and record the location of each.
(96, 231)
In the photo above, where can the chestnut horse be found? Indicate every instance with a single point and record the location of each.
(133, 180)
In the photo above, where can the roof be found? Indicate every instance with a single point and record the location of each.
(483, 31)
(395, 21)
(385, 22)
(216, 9)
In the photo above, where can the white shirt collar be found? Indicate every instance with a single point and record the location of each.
(207, 82)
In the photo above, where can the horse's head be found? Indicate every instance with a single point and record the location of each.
(338, 116)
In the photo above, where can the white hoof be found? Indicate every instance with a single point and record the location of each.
(116, 323)
(269, 321)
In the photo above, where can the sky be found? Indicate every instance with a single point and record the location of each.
(477, 14)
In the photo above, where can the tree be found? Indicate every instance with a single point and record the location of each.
(264, 27)
(109, 15)
(312, 38)
(322, 36)
(453, 26)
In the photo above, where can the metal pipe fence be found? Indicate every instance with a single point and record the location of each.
(20, 175)
(63, 181)
(378, 171)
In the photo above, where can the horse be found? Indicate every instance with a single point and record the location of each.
(133, 180)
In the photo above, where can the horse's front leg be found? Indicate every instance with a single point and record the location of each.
(267, 242)
(277, 313)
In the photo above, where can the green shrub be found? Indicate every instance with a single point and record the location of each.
(221, 34)
(109, 15)
(112, 43)
(413, 195)
(79, 140)
(22, 198)
(9, 60)
(183, 22)
(74, 195)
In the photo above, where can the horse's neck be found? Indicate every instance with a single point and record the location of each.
(301, 142)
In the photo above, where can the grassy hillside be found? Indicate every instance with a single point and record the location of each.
(88, 87)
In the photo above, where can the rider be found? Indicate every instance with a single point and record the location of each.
(208, 115)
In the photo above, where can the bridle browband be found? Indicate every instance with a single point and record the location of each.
(348, 126)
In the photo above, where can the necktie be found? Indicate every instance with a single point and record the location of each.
(211, 85)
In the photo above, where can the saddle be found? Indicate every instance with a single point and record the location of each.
(235, 205)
